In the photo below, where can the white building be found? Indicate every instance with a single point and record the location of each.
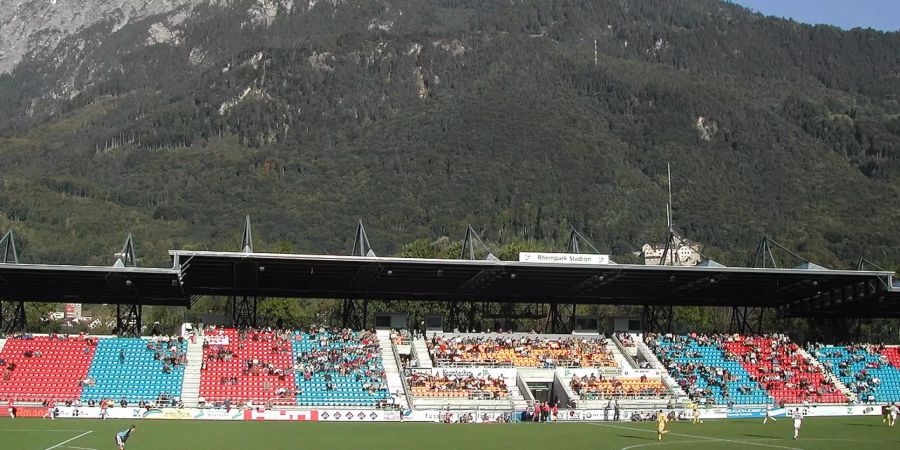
(686, 253)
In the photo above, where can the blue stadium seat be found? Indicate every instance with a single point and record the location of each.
(712, 356)
(347, 390)
(139, 377)
(887, 391)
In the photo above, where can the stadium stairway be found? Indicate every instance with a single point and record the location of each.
(828, 375)
(190, 390)
(623, 359)
(771, 356)
(515, 392)
(420, 349)
(711, 355)
(2, 343)
(391, 368)
(889, 374)
(650, 357)
(563, 383)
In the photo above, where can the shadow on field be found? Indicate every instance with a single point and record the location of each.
(761, 436)
(866, 425)
(631, 436)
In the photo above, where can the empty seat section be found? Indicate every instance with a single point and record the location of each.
(699, 365)
(338, 368)
(777, 364)
(44, 368)
(241, 366)
(866, 371)
(136, 369)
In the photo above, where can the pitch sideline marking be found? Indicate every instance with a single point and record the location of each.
(40, 431)
(70, 440)
(660, 443)
(697, 437)
(759, 439)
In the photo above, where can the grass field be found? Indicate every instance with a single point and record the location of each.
(817, 433)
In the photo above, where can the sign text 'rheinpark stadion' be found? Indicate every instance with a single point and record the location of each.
(563, 258)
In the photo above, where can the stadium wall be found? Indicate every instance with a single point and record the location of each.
(363, 415)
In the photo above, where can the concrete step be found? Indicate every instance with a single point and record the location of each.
(668, 380)
(190, 387)
(391, 368)
(420, 351)
(2, 343)
(827, 374)
(620, 358)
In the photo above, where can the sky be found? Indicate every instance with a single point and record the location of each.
(878, 14)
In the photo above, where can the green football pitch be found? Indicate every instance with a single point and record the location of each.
(76, 434)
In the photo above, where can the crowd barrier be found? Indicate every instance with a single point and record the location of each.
(316, 415)
(368, 415)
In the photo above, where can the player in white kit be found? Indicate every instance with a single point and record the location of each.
(798, 422)
(769, 415)
(893, 413)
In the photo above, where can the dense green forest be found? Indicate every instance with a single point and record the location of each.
(420, 117)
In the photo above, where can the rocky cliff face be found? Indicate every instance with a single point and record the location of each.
(40, 25)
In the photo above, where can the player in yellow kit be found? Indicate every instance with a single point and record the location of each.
(696, 413)
(661, 425)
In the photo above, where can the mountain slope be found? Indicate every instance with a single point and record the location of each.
(421, 117)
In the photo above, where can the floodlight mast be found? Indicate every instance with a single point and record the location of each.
(669, 205)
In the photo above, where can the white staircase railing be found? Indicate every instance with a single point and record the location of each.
(392, 368)
(621, 354)
(420, 351)
(190, 387)
(667, 379)
(827, 374)
(515, 392)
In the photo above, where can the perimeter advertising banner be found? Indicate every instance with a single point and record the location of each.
(753, 412)
(825, 411)
(336, 415)
(625, 415)
(441, 416)
(323, 415)
(84, 412)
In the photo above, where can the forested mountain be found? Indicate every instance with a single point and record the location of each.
(419, 117)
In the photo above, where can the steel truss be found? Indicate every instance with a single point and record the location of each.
(657, 318)
(128, 316)
(129, 320)
(12, 317)
(354, 311)
(243, 311)
(244, 308)
(12, 312)
(747, 320)
(560, 318)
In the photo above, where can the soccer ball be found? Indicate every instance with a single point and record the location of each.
(701, 421)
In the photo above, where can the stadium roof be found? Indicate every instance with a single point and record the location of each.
(91, 284)
(808, 291)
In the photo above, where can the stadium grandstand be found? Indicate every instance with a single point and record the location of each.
(393, 371)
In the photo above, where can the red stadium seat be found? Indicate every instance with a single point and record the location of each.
(55, 375)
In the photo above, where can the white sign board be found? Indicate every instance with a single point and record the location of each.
(563, 258)
(507, 373)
